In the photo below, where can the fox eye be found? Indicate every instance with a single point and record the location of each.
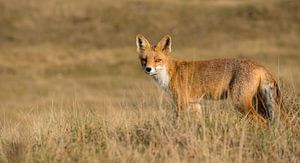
(143, 60)
(158, 60)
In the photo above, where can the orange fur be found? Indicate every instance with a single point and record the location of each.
(251, 87)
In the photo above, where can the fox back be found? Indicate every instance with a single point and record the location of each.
(251, 86)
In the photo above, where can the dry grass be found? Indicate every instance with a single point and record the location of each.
(72, 90)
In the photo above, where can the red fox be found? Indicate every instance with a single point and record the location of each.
(251, 86)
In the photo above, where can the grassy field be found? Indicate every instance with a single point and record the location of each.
(72, 89)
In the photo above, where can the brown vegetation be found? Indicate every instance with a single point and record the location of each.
(72, 90)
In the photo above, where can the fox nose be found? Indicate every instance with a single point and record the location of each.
(148, 69)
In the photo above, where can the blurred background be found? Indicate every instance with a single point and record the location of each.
(85, 50)
(72, 88)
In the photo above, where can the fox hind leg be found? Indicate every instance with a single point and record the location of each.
(242, 97)
(246, 107)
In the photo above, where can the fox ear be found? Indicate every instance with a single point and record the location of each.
(141, 43)
(165, 44)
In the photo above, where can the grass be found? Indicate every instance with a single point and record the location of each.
(72, 90)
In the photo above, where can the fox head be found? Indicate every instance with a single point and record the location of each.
(153, 58)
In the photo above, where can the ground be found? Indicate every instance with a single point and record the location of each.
(72, 89)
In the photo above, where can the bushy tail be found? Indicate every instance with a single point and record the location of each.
(271, 104)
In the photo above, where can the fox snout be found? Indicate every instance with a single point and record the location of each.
(154, 70)
(149, 70)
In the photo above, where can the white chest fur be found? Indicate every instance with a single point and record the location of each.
(162, 78)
